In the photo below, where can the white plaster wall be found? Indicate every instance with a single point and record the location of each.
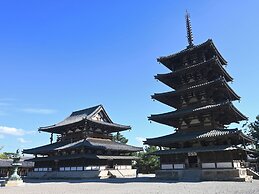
(42, 169)
(224, 164)
(123, 167)
(237, 164)
(166, 166)
(179, 166)
(208, 165)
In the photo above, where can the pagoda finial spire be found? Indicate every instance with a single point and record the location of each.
(189, 30)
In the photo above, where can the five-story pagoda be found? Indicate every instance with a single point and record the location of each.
(202, 147)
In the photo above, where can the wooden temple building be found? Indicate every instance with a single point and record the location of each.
(202, 147)
(84, 148)
(23, 170)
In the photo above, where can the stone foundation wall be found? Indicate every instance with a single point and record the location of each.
(204, 174)
(82, 174)
(223, 174)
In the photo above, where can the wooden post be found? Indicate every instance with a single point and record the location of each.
(232, 161)
(215, 157)
(51, 138)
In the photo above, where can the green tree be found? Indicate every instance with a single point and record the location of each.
(254, 130)
(119, 138)
(3, 155)
(147, 163)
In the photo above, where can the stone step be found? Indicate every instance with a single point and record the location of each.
(252, 173)
(115, 174)
(244, 179)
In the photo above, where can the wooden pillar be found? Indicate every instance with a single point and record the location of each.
(215, 157)
(55, 165)
(198, 161)
(232, 161)
(244, 144)
(51, 138)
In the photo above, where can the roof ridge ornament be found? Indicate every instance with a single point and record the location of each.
(189, 30)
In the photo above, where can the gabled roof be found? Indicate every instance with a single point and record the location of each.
(183, 136)
(81, 117)
(173, 98)
(167, 60)
(89, 143)
(170, 78)
(172, 118)
(90, 112)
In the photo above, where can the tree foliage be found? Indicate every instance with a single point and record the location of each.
(147, 163)
(3, 155)
(254, 130)
(119, 138)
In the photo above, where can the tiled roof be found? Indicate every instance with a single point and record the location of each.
(168, 118)
(75, 116)
(209, 42)
(87, 156)
(81, 117)
(114, 127)
(45, 148)
(98, 143)
(91, 143)
(85, 112)
(168, 77)
(167, 97)
(8, 163)
(181, 136)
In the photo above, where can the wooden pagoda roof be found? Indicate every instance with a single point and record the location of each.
(169, 78)
(85, 116)
(168, 61)
(173, 98)
(183, 136)
(89, 143)
(199, 149)
(171, 118)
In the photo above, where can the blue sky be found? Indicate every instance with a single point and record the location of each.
(59, 56)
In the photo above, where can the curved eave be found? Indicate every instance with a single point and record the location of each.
(230, 90)
(89, 143)
(111, 127)
(164, 59)
(171, 118)
(223, 61)
(170, 98)
(198, 87)
(168, 77)
(60, 128)
(238, 113)
(226, 75)
(173, 139)
(45, 148)
(246, 137)
(86, 156)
